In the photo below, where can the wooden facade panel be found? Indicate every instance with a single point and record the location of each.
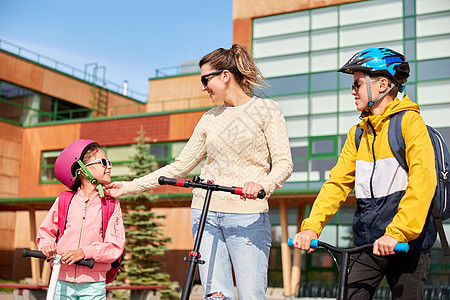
(36, 140)
(20, 72)
(67, 88)
(176, 93)
(188, 86)
(182, 125)
(7, 229)
(177, 226)
(124, 131)
(22, 225)
(242, 32)
(247, 9)
(9, 167)
(9, 186)
(10, 155)
(10, 150)
(10, 132)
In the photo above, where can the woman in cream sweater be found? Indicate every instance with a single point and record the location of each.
(245, 142)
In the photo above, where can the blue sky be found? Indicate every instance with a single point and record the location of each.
(129, 38)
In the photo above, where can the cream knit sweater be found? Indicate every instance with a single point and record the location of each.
(242, 144)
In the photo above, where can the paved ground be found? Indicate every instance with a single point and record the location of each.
(6, 296)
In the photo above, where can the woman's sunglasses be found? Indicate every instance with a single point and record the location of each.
(105, 163)
(205, 78)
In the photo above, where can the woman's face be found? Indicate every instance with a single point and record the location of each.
(100, 172)
(213, 83)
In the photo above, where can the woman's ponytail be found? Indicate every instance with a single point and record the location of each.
(239, 62)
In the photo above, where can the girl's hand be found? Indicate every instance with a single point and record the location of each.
(49, 251)
(72, 256)
(302, 240)
(114, 189)
(250, 190)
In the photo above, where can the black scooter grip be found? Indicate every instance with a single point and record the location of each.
(35, 253)
(261, 194)
(173, 181)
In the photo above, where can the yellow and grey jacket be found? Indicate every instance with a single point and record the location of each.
(389, 199)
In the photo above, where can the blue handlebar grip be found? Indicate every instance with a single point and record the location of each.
(401, 247)
(290, 242)
(314, 243)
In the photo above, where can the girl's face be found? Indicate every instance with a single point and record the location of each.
(100, 172)
(213, 83)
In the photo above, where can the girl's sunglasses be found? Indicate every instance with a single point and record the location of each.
(205, 78)
(105, 163)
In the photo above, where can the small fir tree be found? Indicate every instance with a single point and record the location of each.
(144, 237)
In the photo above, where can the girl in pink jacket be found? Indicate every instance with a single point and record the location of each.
(83, 167)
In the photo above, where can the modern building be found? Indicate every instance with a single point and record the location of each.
(299, 45)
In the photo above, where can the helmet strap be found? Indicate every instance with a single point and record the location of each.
(367, 111)
(91, 178)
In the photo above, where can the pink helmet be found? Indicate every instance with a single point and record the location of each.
(66, 163)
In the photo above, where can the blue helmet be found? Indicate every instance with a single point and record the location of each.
(382, 61)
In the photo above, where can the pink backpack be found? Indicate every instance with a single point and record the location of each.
(107, 210)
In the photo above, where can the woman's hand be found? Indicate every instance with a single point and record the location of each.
(114, 189)
(302, 240)
(250, 190)
(49, 251)
(72, 256)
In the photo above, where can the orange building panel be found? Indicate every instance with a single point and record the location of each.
(242, 32)
(124, 131)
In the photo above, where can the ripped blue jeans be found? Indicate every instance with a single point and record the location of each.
(234, 241)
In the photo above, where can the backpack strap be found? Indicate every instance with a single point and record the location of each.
(358, 135)
(108, 206)
(440, 228)
(396, 141)
(63, 207)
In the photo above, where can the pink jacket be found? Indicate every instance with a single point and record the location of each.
(84, 230)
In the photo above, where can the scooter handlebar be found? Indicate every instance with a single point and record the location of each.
(400, 247)
(35, 253)
(186, 183)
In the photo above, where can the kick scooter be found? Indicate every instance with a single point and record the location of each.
(56, 267)
(343, 267)
(209, 186)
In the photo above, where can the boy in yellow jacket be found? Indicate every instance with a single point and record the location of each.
(392, 203)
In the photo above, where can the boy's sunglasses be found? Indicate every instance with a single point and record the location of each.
(105, 163)
(356, 84)
(205, 78)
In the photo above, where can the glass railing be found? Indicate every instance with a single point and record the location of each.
(190, 67)
(89, 74)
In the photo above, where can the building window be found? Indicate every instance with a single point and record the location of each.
(47, 166)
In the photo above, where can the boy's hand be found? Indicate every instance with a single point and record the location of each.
(72, 256)
(302, 240)
(49, 251)
(384, 245)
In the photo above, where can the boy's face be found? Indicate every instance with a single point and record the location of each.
(359, 90)
(101, 173)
